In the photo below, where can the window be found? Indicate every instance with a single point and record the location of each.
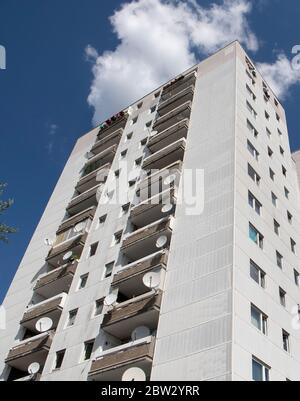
(272, 174)
(250, 92)
(129, 136)
(117, 173)
(108, 269)
(289, 217)
(123, 154)
(144, 142)
(286, 341)
(270, 152)
(277, 117)
(156, 95)
(138, 161)
(267, 115)
(251, 109)
(286, 193)
(276, 227)
(252, 129)
(293, 245)
(297, 278)
(83, 281)
(88, 349)
(139, 105)
(102, 220)
(117, 238)
(254, 203)
(257, 274)
(148, 125)
(276, 102)
(274, 199)
(152, 109)
(279, 260)
(253, 174)
(281, 150)
(256, 236)
(250, 77)
(125, 209)
(59, 359)
(252, 150)
(259, 320)
(134, 120)
(72, 318)
(279, 132)
(260, 371)
(98, 307)
(284, 171)
(93, 249)
(282, 297)
(268, 132)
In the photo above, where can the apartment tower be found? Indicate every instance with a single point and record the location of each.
(159, 284)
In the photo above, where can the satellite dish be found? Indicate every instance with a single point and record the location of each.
(170, 179)
(130, 110)
(167, 208)
(161, 242)
(140, 332)
(67, 256)
(110, 299)
(79, 227)
(48, 241)
(134, 375)
(44, 324)
(151, 280)
(34, 368)
(154, 133)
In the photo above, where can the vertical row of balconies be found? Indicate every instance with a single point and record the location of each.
(51, 288)
(133, 305)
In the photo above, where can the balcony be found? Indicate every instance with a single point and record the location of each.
(93, 179)
(85, 216)
(173, 117)
(51, 308)
(114, 124)
(84, 201)
(151, 210)
(34, 349)
(108, 141)
(142, 242)
(56, 282)
(124, 318)
(129, 279)
(74, 245)
(155, 183)
(100, 160)
(111, 365)
(169, 136)
(176, 100)
(179, 86)
(166, 156)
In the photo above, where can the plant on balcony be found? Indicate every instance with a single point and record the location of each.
(4, 205)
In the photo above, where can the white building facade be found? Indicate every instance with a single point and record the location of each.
(191, 270)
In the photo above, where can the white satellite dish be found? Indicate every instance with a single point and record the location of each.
(161, 242)
(34, 368)
(167, 208)
(44, 324)
(48, 241)
(140, 332)
(170, 179)
(130, 110)
(67, 256)
(134, 375)
(154, 133)
(79, 227)
(151, 280)
(110, 299)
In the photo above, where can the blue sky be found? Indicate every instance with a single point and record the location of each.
(57, 49)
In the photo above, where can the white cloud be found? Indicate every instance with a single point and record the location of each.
(281, 75)
(159, 39)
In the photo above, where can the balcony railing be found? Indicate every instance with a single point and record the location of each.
(56, 282)
(152, 209)
(91, 180)
(178, 86)
(127, 316)
(100, 160)
(51, 308)
(115, 123)
(34, 349)
(84, 201)
(173, 117)
(175, 101)
(166, 156)
(87, 214)
(75, 244)
(169, 136)
(111, 365)
(108, 141)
